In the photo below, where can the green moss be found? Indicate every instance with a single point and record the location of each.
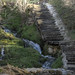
(0, 70)
(31, 33)
(16, 54)
(58, 63)
(4, 35)
(22, 57)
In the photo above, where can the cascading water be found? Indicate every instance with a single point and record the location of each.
(8, 31)
(2, 53)
(33, 45)
(37, 47)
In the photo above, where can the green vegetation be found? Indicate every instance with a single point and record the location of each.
(67, 14)
(31, 33)
(13, 20)
(15, 53)
(58, 63)
(21, 57)
(0, 70)
(4, 35)
(9, 39)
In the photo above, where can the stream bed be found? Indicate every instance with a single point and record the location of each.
(50, 59)
(37, 47)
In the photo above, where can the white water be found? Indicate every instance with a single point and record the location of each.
(33, 45)
(58, 20)
(8, 31)
(37, 47)
(48, 63)
(2, 53)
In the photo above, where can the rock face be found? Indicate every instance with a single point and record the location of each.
(10, 70)
(50, 50)
(69, 3)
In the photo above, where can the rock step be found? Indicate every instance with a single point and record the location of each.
(46, 13)
(49, 37)
(71, 58)
(51, 30)
(53, 42)
(43, 17)
(41, 10)
(45, 22)
(70, 65)
(71, 68)
(68, 49)
(68, 43)
(71, 62)
(51, 34)
(51, 23)
(70, 55)
(42, 13)
(53, 39)
(48, 26)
